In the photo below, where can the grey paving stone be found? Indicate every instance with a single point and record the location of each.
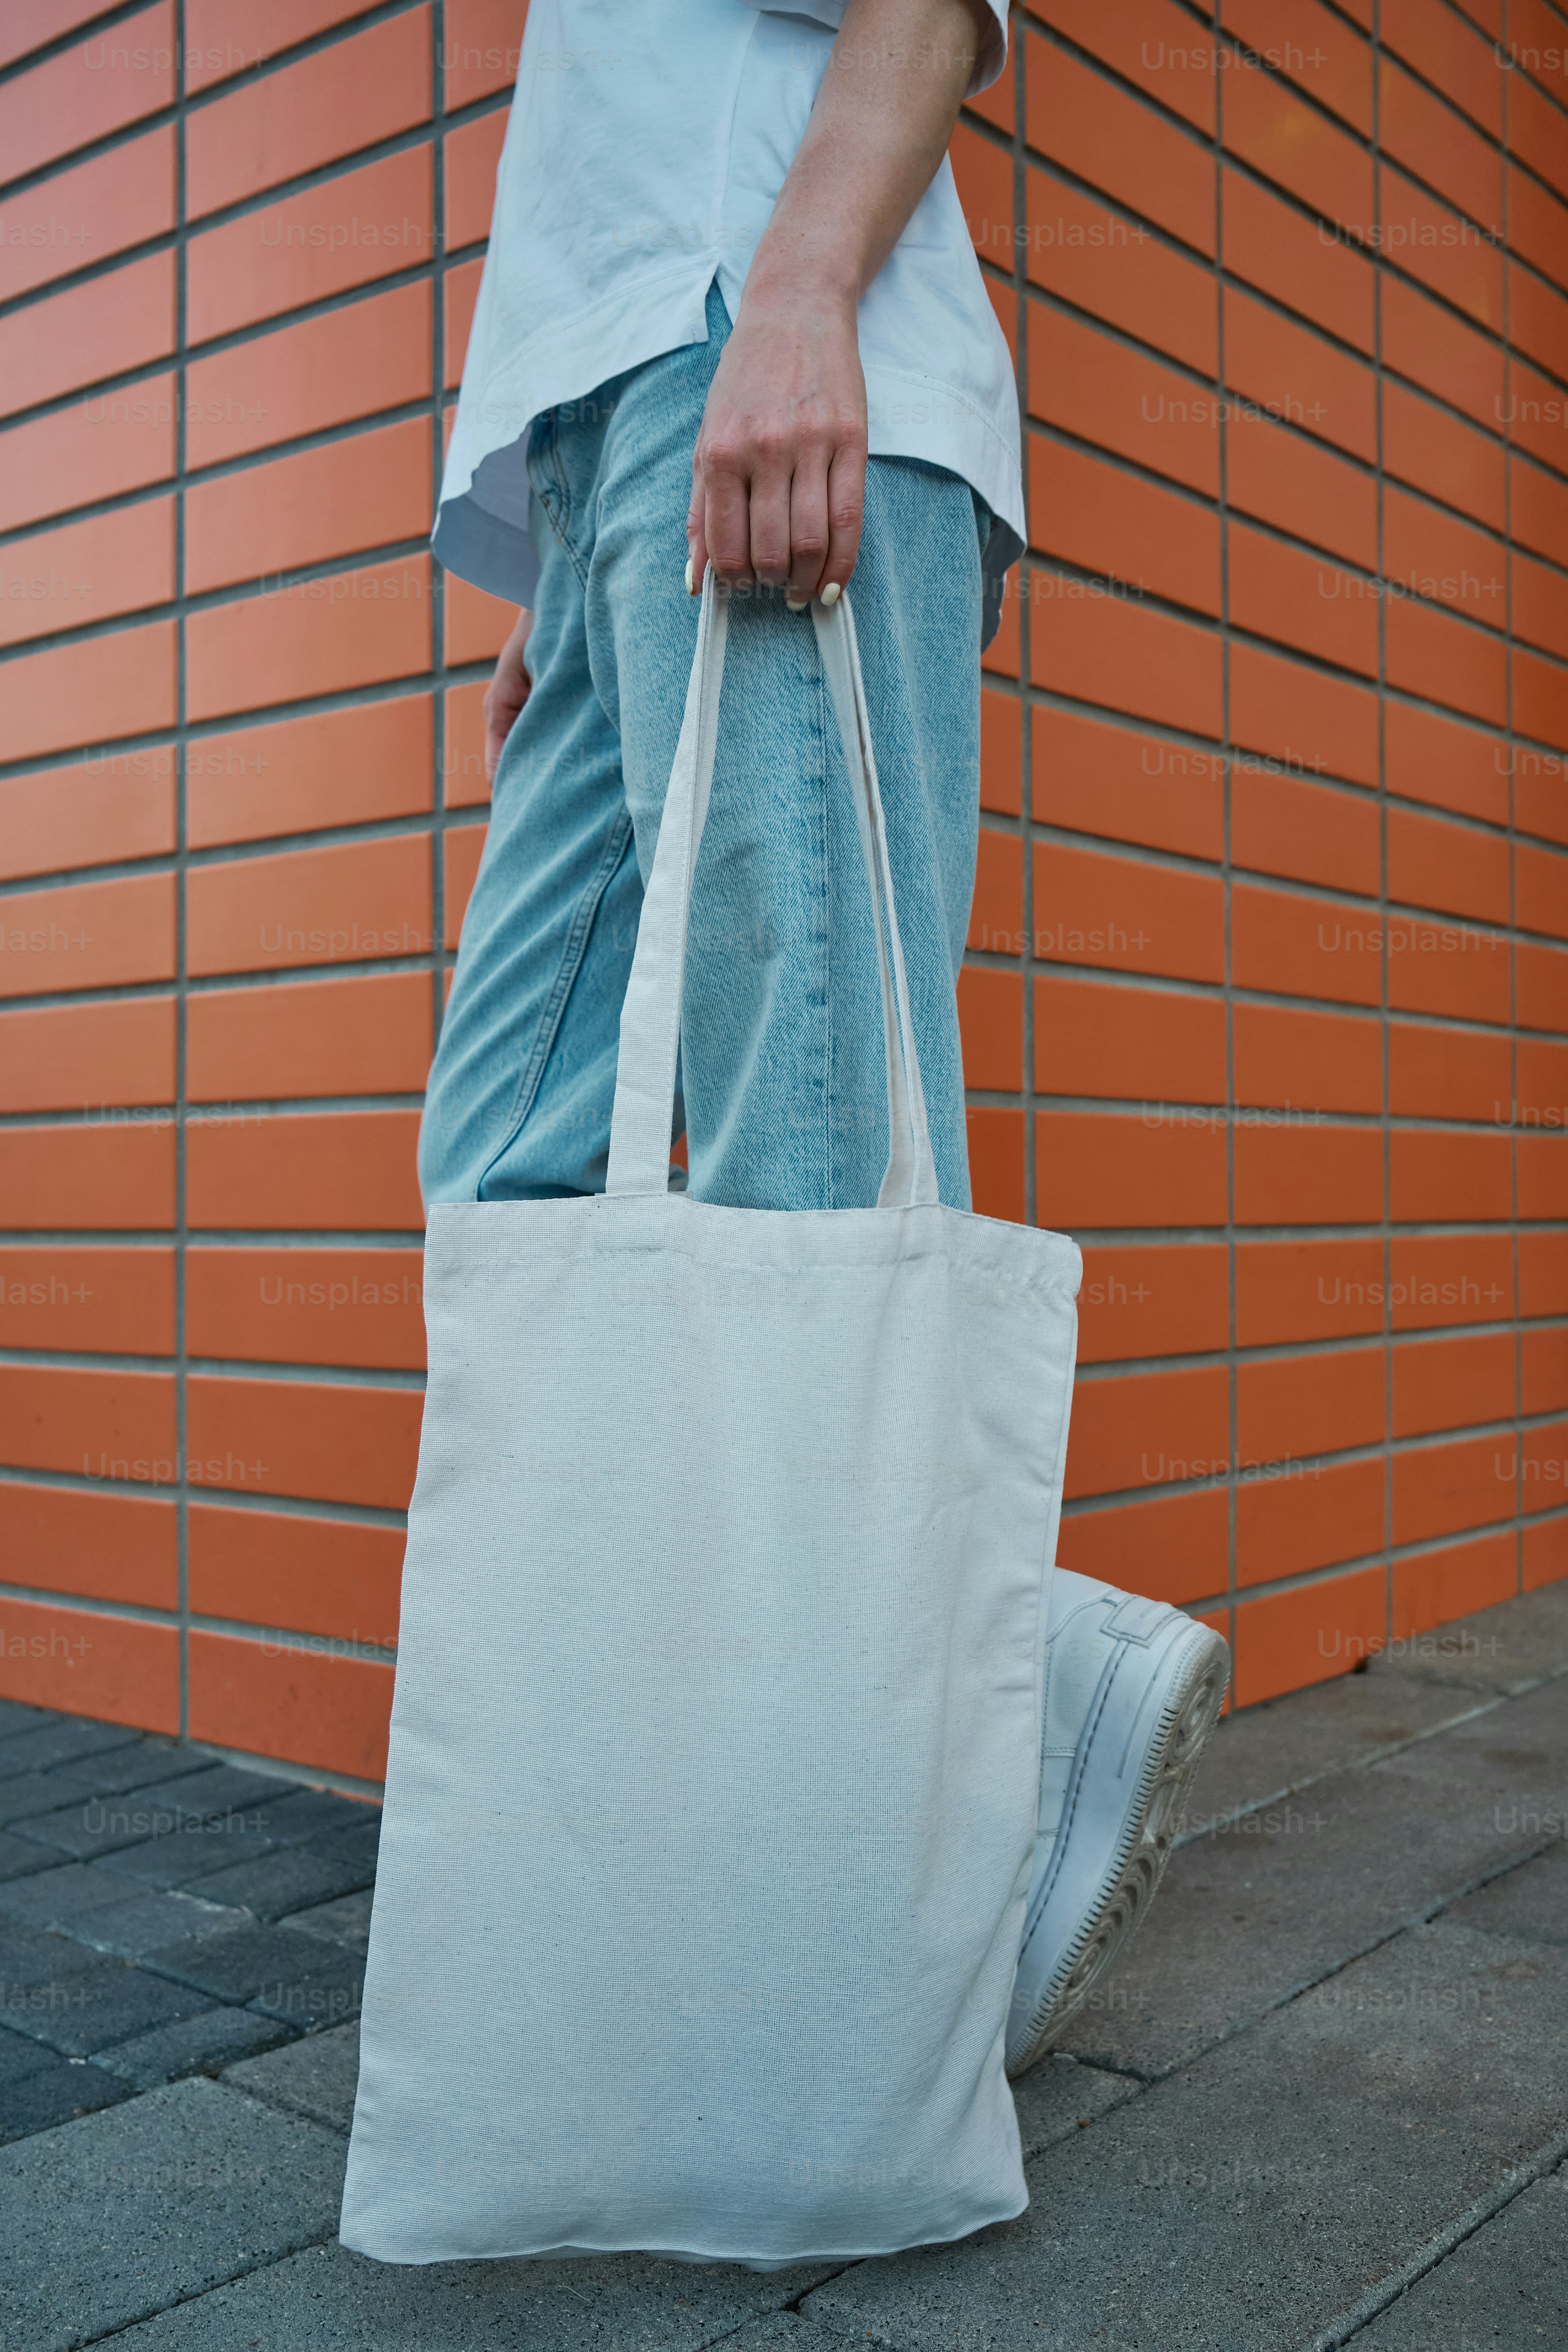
(29, 1957)
(1530, 1902)
(82, 2015)
(64, 1737)
(153, 1763)
(20, 2054)
(59, 1892)
(331, 2301)
(121, 2215)
(315, 2077)
(55, 2093)
(1504, 2290)
(293, 1876)
(141, 1922)
(30, 1793)
(1249, 1914)
(1501, 1649)
(14, 1719)
(300, 1978)
(1270, 1750)
(1243, 2204)
(203, 2045)
(1061, 2097)
(203, 1818)
(19, 1857)
(317, 1812)
(346, 1921)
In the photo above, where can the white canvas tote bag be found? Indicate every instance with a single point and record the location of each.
(716, 1741)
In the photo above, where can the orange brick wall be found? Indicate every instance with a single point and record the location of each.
(1268, 993)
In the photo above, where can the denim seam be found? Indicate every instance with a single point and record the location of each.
(560, 485)
(570, 964)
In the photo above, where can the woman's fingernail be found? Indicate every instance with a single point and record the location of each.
(830, 594)
(690, 588)
(797, 603)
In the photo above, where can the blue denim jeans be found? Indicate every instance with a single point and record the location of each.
(783, 1076)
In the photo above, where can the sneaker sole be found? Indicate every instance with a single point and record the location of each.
(1189, 1709)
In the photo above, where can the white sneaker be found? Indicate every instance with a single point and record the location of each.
(1132, 1691)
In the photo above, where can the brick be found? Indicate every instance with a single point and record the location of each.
(336, 1444)
(1296, 1638)
(464, 784)
(344, 498)
(1296, 946)
(32, 23)
(1100, 134)
(349, 902)
(472, 158)
(1536, 130)
(1440, 1489)
(1456, 968)
(89, 935)
(1269, 128)
(1544, 1274)
(1435, 556)
(1097, 1170)
(70, 1178)
(991, 1020)
(1448, 1278)
(354, 94)
(1298, 1519)
(225, 37)
(85, 571)
(57, 702)
(1281, 592)
(312, 1037)
(1283, 825)
(1446, 51)
(996, 910)
(1540, 697)
(482, 50)
(1111, 523)
(1276, 247)
(1542, 1177)
(477, 625)
(1538, 319)
(996, 1163)
(1136, 1044)
(341, 232)
(1117, 270)
(1445, 1383)
(1153, 1429)
(1445, 1072)
(305, 1306)
(1180, 75)
(1450, 1178)
(1543, 1554)
(1108, 779)
(1303, 1405)
(1296, 715)
(1145, 1301)
(1004, 302)
(88, 813)
(76, 218)
(92, 1423)
(983, 175)
(1440, 353)
(89, 1057)
(1002, 657)
(1423, 445)
(1308, 1290)
(459, 296)
(117, 1302)
(327, 371)
(121, 321)
(1118, 913)
(1106, 392)
(1309, 1175)
(1324, 57)
(344, 1172)
(1436, 1587)
(465, 846)
(1536, 223)
(336, 768)
(1542, 1372)
(275, 648)
(105, 1546)
(90, 91)
(1297, 378)
(1433, 863)
(1446, 763)
(94, 450)
(1297, 1062)
(1425, 135)
(1100, 647)
(120, 1669)
(1438, 246)
(1540, 604)
(1299, 486)
(1174, 1548)
(1542, 1099)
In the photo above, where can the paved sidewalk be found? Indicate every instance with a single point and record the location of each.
(1324, 2102)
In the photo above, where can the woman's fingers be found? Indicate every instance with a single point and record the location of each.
(808, 534)
(845, 513)
(507, 692)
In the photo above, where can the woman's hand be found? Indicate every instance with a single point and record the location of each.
(778, 481)
(506, 693)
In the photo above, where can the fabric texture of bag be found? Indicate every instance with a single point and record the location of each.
(715, 1755)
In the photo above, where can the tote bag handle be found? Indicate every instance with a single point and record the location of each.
(644, 1108)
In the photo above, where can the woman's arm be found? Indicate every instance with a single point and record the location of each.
(779, 475)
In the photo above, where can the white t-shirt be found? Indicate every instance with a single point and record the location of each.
(647, 143)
